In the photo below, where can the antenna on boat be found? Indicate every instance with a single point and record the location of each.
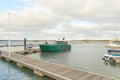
(63, 38)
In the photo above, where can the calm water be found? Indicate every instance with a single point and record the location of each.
(85, 56)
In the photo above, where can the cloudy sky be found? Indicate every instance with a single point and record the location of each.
(53, 19)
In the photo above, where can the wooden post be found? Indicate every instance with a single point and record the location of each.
(20, 65)
(38, 73)
(0, 57)
(8, 60)
(25, 40)
(117, 59)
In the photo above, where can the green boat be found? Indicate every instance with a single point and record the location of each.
(57, 46)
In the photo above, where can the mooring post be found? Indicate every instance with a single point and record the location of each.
(25, 40)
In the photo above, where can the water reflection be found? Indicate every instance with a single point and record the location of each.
(110, 63)
(60, 57)
(48, 54)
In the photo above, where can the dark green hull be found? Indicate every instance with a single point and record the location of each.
(54, 48)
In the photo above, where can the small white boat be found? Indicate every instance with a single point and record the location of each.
(107, 57)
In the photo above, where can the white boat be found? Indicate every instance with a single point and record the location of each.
(114, 44)
(114, 48)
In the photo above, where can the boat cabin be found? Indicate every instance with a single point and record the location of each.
(61, 42)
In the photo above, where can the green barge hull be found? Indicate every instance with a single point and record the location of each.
(59, 46)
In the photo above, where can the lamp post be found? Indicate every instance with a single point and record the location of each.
(8, 35)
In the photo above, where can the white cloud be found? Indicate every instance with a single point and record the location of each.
(94, 10)
(53, 18)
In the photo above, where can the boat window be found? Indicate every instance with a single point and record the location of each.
(61, 42)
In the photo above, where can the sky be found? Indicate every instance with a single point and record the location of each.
(54, 19)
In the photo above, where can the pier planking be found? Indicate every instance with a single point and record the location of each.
(55, 71)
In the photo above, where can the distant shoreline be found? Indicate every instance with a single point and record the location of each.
(70, 41)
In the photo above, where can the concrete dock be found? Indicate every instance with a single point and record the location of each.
(53, 70)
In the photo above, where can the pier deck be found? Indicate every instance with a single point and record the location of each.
(55, 71)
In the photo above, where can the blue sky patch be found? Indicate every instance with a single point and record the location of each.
(16, 5)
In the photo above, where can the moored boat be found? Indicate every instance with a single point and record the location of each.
(114, 48)
(57, 46)
(113, 51)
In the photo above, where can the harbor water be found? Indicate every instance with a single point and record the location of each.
(83, 56)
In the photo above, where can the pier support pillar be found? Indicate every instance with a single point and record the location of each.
(59, 79)
(20, 65)
(0, 57)
(8, 60)
(39, 73)
(117, 59)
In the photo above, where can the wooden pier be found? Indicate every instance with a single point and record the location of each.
(28, 51)
(53, 70)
